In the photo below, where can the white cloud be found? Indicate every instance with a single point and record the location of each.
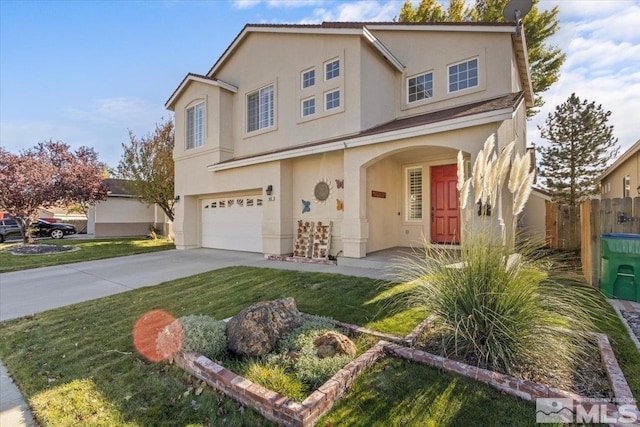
(602, 44)
(294, 3)
(125, 111)
(245, 4)
(357, 11)
(580, 9)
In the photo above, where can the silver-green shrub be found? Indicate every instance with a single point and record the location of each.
(298, 352)
(204, 334)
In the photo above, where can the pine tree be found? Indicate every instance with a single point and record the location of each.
(581, 147)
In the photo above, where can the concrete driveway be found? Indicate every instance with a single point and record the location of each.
(32, 291)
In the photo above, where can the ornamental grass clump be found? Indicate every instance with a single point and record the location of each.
(502, 311)
(493, 307)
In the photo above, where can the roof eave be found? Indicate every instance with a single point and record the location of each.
(382, 50)
(353, 141)
(189, 78)
(270, 29)
(623, 158)
(522, 62)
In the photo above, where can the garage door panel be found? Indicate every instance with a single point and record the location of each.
(232, 223)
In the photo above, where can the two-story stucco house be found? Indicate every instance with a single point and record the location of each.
(357, 124)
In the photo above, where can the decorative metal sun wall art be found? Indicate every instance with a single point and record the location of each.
(322, 191)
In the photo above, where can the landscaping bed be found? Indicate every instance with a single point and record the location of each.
(78, 363)
(589, 378)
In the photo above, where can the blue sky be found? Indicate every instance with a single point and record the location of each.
(86, 72)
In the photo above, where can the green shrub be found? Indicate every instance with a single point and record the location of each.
(297, 351)
(202, 334)
(275, 377)
(502, 311)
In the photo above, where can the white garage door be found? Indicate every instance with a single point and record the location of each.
(232, 223)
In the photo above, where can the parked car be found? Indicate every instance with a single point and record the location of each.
(9, 229)
(55, 230)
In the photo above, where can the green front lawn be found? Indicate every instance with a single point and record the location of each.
(89, 250)
(77, 365)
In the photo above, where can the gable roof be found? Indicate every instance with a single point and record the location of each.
(118, 187)
(193, 77)
(437, 121)
(364, 30)
(635, 148)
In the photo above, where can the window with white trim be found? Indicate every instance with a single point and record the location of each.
(308, 107)
(308, 78)
(195, 126)
(332, 70)
(463, 75)
(260, 109)
(414, 194)
(332, 100)
(626, 186)
(420, 87)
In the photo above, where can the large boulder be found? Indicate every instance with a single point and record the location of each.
(333, 343)
(257, 329)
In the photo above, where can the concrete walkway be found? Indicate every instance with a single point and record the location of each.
(28, 292)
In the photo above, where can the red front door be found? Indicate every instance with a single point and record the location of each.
(445, 217)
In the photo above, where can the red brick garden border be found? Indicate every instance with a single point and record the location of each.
(275, 406)
(288, 412)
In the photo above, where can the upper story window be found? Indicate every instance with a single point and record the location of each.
(332, 100)
(420, 87)
(195, 126)
(260, 109)
(463, 75)
(308, 78)
(308, 107)
(332, 70)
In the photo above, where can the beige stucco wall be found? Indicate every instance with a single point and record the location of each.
(378, 89)
(218, 144)
(306, 173)
(422, 52)
(611, 185)
(257, 63)
(532, 223)
(124, 216)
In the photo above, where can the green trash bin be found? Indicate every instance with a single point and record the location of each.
(620, 262)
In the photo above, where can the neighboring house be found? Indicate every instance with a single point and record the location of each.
(533, 222)
(123, 214)
(622, 178)
(354, 123)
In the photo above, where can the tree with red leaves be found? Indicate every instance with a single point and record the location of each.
(48, 175)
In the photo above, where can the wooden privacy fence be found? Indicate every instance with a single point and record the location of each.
(620, 215)
(562, 223)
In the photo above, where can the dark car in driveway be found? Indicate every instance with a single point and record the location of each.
(9, 230)
(55, 230)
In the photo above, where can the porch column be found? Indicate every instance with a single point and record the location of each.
(185, 226)
(355, 226)
(277, 221)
